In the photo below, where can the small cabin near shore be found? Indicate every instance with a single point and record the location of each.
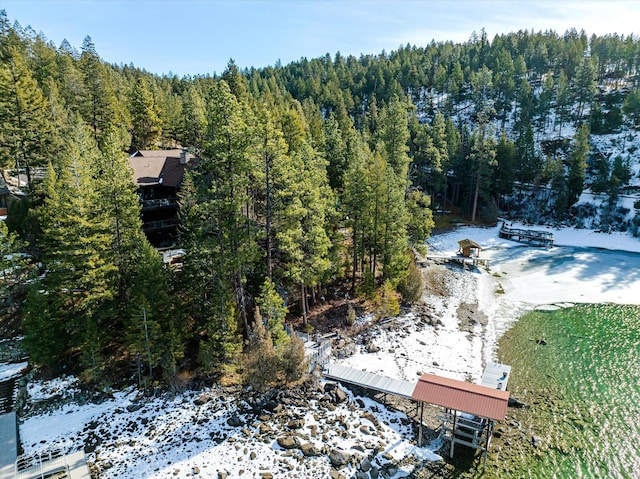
(469, 248)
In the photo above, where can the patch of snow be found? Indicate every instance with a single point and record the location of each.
(61, 386)
(9, 370)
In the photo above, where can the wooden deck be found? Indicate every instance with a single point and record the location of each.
(542, 238)
(463, 260)
(496, 376)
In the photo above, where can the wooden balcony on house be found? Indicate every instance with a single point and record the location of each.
(159, 225)
(162, 203)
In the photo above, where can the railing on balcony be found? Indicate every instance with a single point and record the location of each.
(160, 224)
(159, 203)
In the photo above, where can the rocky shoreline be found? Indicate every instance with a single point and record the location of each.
(316, 429)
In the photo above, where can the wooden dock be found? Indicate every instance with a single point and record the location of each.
(463, 260)
(542, 238)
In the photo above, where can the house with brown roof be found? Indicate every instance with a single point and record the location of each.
(158, 174)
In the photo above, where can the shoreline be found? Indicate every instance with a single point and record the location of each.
(454, 333)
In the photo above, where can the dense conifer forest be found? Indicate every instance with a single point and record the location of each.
(312, 177)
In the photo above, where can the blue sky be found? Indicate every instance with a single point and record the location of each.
(199, 36)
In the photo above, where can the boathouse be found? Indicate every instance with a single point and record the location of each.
(470, 410)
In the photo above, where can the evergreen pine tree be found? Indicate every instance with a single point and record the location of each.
(194, 118)
(145, 119)
(273, 313)
(261, 361)
(26, 131)
(101, 109)
(578, 165)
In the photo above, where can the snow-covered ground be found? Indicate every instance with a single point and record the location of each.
(582, 267)
(8, 371)
(134, 437)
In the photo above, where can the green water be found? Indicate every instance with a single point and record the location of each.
(583, 389)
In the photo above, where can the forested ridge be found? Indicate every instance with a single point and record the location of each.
(311, 177)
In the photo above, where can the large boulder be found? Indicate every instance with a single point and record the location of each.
(340, 395)
(309, 450)
(370, 417)
(272, 406)
(235, 421)
(289, 442)
(295, 424)
(338, 458)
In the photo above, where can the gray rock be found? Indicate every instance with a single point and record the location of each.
(374, 472)
(536, 441)
(365, 465)
(361, 475)
(272, 406)
(372, 348)
(338, 458)
(513, 402)
(235, 421)
(134, 407)
(202, 399)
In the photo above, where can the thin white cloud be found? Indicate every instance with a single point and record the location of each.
(184, 35)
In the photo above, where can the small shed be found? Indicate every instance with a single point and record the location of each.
(469, 248)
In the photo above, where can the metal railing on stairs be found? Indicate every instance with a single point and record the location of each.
(42, 465)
